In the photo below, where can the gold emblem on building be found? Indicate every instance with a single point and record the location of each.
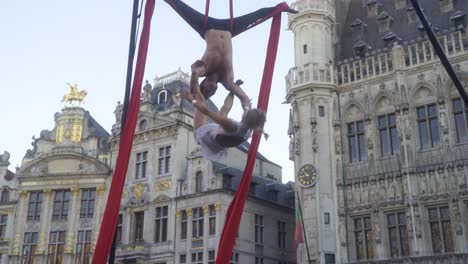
(74, 95)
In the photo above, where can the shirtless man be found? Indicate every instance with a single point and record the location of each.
(214, 138)
(216, 63)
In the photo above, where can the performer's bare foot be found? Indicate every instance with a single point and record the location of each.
(239, 82)
(292, 10)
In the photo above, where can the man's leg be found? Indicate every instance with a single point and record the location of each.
(194, 18)
(245, 22)
(234, 88)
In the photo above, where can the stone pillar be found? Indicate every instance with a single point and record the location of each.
(45, 222)
(206, 226)
(22, 210)
(189, 227)
(127, 228)
(98, 211)
(73, 220)
(219, 222)
(148, 225)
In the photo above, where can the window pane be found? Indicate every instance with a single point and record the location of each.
(382, 122)
(461, 128)
(404, 242)
(432, 111)
(370, 245)
(359, 245)
(447, 228)
(436, 239)
(421, 113)
(394, 246)
(434, 125)
(444, 213)
(384, 146)
(391, 220)
(423, 135)
(395, 140)
(360, 127)
(352, 149)
(362, 148)
(392, 120)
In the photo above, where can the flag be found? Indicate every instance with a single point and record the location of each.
(298, 237)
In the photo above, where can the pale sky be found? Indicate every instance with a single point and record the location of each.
(46, 44)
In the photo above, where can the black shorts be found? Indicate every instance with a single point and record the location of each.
(197, 20)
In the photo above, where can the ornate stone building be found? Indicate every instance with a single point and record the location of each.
(174, 200)
(377, 117)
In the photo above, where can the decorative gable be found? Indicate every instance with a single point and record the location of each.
(385, 21)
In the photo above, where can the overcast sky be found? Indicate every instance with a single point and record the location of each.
(46, 44)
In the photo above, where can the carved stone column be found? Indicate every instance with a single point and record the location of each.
(72, 220)
(189, 227)
(219, 221)
(45, 222)
(98, 211)
(206, 227)
(21, 209)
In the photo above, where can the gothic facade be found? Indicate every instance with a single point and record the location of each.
(391, 183)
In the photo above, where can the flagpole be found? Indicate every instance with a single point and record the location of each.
(303, 226)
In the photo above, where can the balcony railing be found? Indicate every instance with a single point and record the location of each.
(314, 6)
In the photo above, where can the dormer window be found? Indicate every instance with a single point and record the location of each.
(458, 19)
(390, 38)
(446, 5)
(143, 125)
(385, 20)
(361, 48)
(412, 16)
(162, 97)
(400, 4)
(372, 8)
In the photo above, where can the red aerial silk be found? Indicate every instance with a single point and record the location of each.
(109, 220)
(234, 213)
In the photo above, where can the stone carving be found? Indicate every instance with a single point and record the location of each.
(407, 124)
(391, 189)
(433, 182)
(147, 92)
(365, 193)
(376, 229)
(453, 181)
(118, 113)
(373, 192)
(39, 170)
(422, 184)
(4, 159)
(357, 195)
(398, 189)
(33, 226)
(342, 233)
(86, 223)
(443, 122)
(457, 218)
(442, 182)
(383, 190)
(398, 56)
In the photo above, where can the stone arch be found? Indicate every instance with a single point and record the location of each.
(353, 110)
(162, 97)
(383, 102)
(199, 181)
(423, 93)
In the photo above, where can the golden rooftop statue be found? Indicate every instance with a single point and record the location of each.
(74, 95)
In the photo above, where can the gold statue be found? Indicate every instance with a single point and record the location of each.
(74, 95)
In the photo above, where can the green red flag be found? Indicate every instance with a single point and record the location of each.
(298, 237)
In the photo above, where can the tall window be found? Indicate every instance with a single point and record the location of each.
(199, 182)
(83, 247)
(61, 204)
(29, 247)
(141, 161)
(389, 143)
(35, 205)
(211, 257)
(197, 223)
(428, 126)
(3, 226)
(356, 141)
(364, 238)
(164, 161)
(5, 197)
(212, 221)
(87, 203)
(441, 230)
(118, 231)
(197, 257)
(397, 236)
(460, 112)
(56, 247)
(258, 260)
(182, 258)
(234, 258)
(227, 181)
(259, 229)
(183, 225)
(139, 221)
(161, 224)
(281, 234)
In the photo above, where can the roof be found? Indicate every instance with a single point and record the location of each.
(361, 26)
(263, 185)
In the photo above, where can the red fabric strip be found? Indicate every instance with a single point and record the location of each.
(281, 7)
(234, 213)
(111, 212)
(207, 12)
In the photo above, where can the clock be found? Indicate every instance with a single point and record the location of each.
(307, 175)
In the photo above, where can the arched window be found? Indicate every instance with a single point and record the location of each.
(143, 125)
(5, 197)
(199, 182)
(162, 97)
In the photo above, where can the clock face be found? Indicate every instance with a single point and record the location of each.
(307, 175)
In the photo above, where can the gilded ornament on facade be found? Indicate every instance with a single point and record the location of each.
(206, 208)
(59, 133)
(189, 212)
(47, 191)
(75, 190)
(178, 214)
(101, 189)
(138, 190)
(74, 95)
(217, 207)
(159, 186)
(23, 193)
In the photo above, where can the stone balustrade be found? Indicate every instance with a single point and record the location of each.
(309, 73)
(321, 6)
